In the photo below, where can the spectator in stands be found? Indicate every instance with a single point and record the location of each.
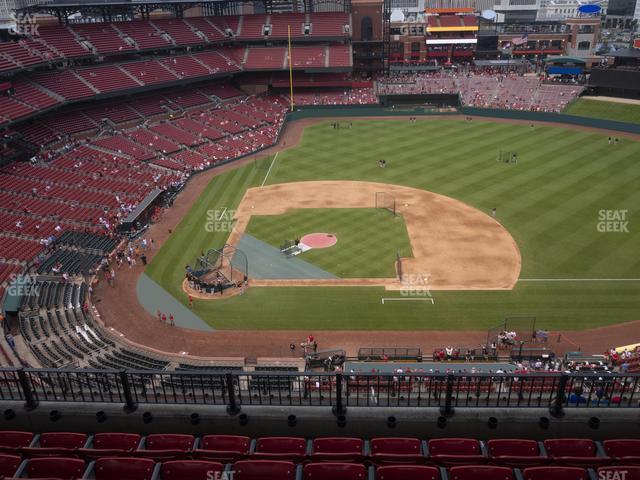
(577, 397)
(449, 351)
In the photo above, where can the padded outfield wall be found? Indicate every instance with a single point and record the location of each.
(380, 111)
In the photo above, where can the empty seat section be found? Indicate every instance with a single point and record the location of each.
(150, 72)
(280, 448)
(181, 33)
(9, 465)
(103, 37)
(456, 451)
(110, 445)
(265, 58)
(264, 470)
(56, 444)
(578, 452)
(67, 468)
(191, 470)
(160, 446)
(252, 27)
(396, 451)
(334, 471)
(337, 449)
(480, 472)
(625, 451)
(408, 472)
(11, 440)
(107, 78)
(555, 473)
(110, 468)
(516, 453)
(223, 448)
(144, 34)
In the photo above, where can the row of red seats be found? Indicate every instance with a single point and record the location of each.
(56, 42)
(90, 81)
(110, 468)
(447, 452)
(18, 249)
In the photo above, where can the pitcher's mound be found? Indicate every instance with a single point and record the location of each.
(319, 240)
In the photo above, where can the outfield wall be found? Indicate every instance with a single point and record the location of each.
(379, 111)
(554, 118)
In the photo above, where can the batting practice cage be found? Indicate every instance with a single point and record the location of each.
(387, 201)
(228, 261)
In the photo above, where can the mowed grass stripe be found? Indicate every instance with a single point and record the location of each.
(622, 112)
(368, 239)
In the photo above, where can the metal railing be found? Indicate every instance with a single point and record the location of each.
(338, 391)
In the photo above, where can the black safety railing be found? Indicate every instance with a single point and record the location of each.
(339, 391)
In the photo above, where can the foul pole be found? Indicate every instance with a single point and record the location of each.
(290, 67)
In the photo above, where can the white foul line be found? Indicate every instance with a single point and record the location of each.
(396, 299)
(272, 161)
(579, 279)
(222, 214)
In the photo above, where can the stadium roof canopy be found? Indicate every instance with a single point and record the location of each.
(500, 63)
(575, 60)
(106, 8)
(625, 53)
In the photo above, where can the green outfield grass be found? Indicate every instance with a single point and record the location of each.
(550, 202)
(622, 112)
(368, 238)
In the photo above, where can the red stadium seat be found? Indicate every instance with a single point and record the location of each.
(408, 472)
(456, 451)
(56, 444)
(385, 451)
(576, 452)
(619, 472)
(9, 465)
(337, 449)
(625, 451)
(67, 468)
(162, 446)
(11, 441)
(110, 445)
(223, 448)
(264, 470)
(516, 453)
(110, 468)
(334, 471)
(480, 472)
(555, 473)
(190, 470)
(280, 448)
